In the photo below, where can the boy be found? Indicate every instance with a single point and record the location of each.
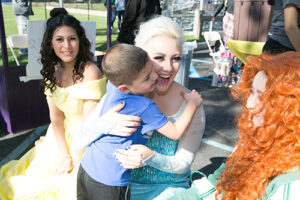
(128, 82)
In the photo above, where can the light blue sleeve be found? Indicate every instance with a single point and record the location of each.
(93, 128)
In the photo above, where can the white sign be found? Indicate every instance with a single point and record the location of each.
(36, 30)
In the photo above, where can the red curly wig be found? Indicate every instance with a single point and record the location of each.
(273, 148)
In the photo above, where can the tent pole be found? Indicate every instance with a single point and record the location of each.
(45, 9)
(89, 10)
(3, 41)
(108, 43)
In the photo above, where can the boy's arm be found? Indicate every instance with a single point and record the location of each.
(175, 130)
(188, 147)
(111, 123)
(93, 128)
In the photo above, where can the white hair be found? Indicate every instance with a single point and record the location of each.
(158, 26)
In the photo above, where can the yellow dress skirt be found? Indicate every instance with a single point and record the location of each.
(32, 176)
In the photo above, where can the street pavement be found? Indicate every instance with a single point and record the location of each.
(221, 111)
(220, 132)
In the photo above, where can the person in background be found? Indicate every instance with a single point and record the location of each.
(73, 86)
(265, 163)
(113, 12)
(136, 12)
(228, 19)
(284, 34)
(120, 6)
(22, 9)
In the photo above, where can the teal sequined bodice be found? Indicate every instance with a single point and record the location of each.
(148, 174)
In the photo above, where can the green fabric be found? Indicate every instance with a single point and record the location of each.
(286, 191)
(271, 189)
(217, 174)
(277, 182)
(189, 194)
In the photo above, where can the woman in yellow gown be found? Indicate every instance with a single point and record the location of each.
(73, 86)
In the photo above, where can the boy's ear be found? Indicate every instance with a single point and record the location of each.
(124, 88)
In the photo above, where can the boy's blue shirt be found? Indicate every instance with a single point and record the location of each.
(99, 161)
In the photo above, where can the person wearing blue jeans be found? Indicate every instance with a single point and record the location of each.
(113, 12)
(120, 4)
(22, 9)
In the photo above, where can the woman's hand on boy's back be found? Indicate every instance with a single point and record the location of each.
(193, 98)
(125, 125)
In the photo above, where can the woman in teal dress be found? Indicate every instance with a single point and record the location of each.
(165, 163)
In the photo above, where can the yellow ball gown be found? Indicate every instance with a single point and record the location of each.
(32, 176)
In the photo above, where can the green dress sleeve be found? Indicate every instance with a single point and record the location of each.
(282, 180)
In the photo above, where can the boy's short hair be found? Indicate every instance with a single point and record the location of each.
(123, 62)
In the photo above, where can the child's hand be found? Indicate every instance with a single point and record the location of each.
(133, 157)
(193, 98)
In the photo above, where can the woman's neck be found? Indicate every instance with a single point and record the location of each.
(68, 66)
(64, 74)
(66, 70)
(157, 96)
(168, 102)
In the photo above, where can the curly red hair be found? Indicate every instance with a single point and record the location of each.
(273, 148)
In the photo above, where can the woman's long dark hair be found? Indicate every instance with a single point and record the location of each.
(60, 17)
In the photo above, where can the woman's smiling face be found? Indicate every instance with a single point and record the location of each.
(165, 53)
(65, 43)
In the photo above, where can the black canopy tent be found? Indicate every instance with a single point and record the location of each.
(23, 105)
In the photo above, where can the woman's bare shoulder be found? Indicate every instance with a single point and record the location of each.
(180, 88)
(91, 72)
